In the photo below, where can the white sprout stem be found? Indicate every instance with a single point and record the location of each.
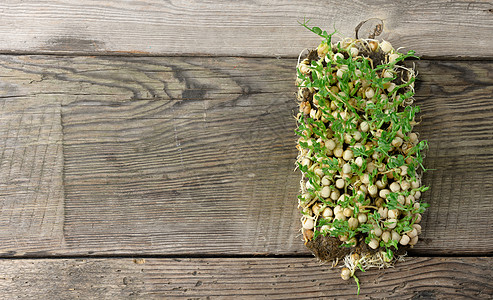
(299, 56)
(370, 260)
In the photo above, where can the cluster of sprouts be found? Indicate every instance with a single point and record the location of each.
(359, 158)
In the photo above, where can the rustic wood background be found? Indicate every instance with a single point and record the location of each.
(147, 149)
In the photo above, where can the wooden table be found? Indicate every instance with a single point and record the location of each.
(147, 149)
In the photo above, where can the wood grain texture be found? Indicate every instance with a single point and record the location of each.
(241, 278)
(31, 159)
(239, 28)
(457, 120)
(195, 155)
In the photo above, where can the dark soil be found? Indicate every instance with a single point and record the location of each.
(328, 248)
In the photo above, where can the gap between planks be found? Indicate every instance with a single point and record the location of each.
(217, 256)
(205, 55)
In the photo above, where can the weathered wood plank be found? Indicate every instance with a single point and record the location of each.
(433, 28)
(31, 159)
(243, 278)
(457, 119)
(195, 155)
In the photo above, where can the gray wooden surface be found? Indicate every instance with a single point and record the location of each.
(159, 152)
(267, 28)
(260, 277)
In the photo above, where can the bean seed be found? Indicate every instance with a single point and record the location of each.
(353, 223)
(373, 190)
(348, 155)
(383, 212)
(404, 240)
(327, 212)
(386, 46)
(395, 187)
(362, 218)
(306, 162)
(397, 142)
(325, 192)
(386, 236)
(308, 185)
(338, 56)
(316, 208)
(391, 87)
(330, 144)
(377, 231)
(391, 223)
(348, 212)
(413, 241)
(319, 172)
(364, 126)
(345, 274)
(373, 45)
(401, 199)
(365, 179)
(340, 216)
(340, 183)
(405, 185)
(334, 195)
(359, 161)
(393, 213)
(307, 196)
(383, 193)
(387, 74)
(374, 244)
(412, 233)
(304, 69)
(393, 57)
(346, 168)
(338, 152)
(369, 93)
(325, 181)
(413, 137)
(357, 136)
(415, 184)
(308, 223)
(395, 236)
(354, 51)
(380, 184)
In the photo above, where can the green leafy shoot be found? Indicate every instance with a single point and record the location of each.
(318, 31)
